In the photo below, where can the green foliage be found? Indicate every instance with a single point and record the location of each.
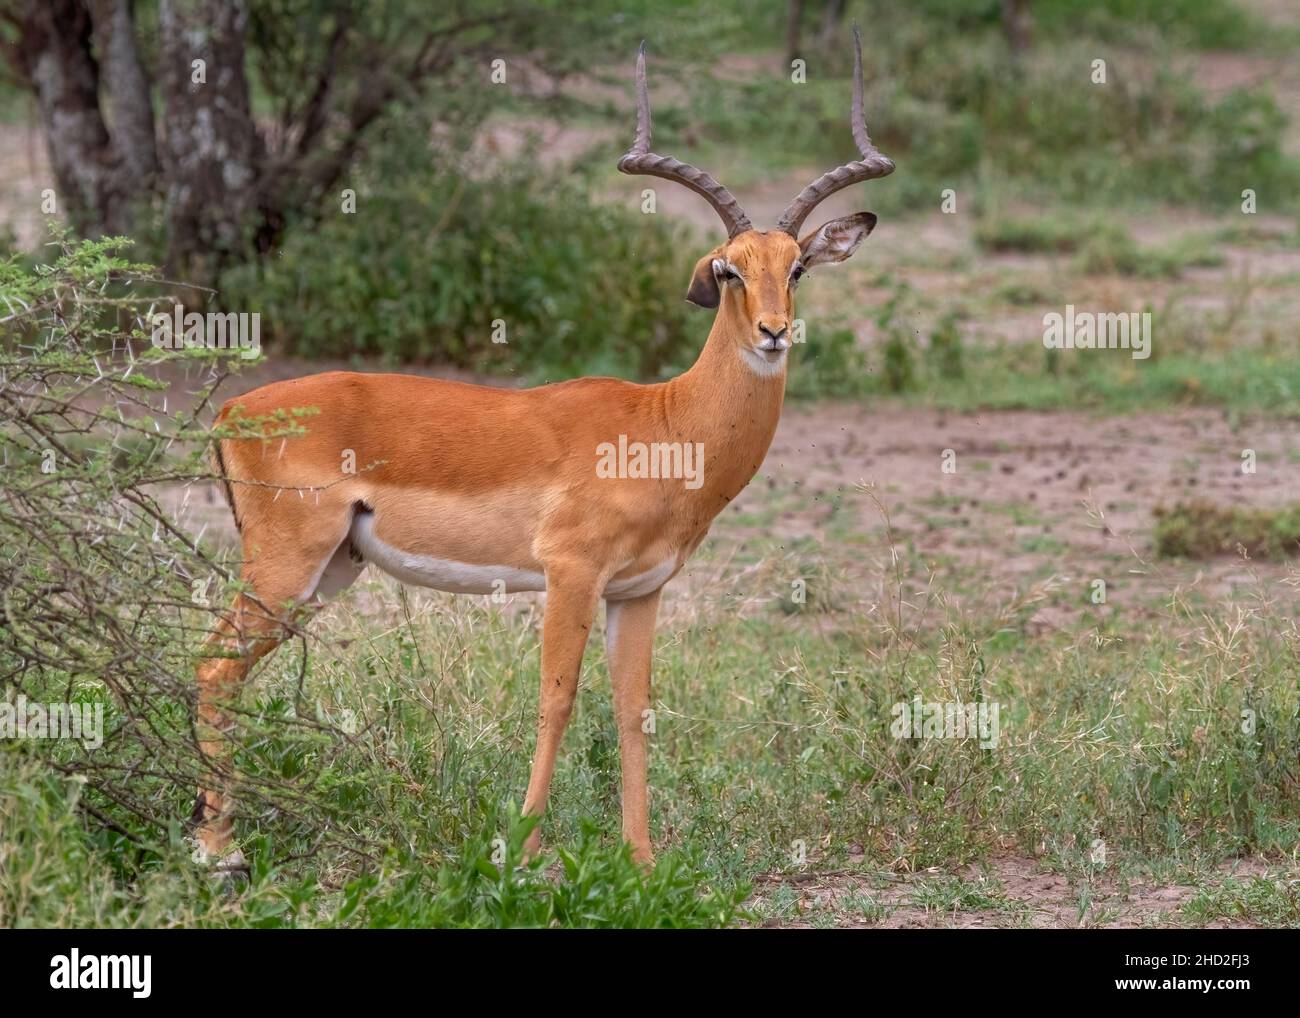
(1194, 360)
(105, 598)
(1274, 903)
(831, 363)
(1208, 24)
(1101, 244)
(899, 374)
(1044, 234)
(951, 105)
(1212, 24)
(1204, 530)
(438, 263)
(945, 349)
(489, 885)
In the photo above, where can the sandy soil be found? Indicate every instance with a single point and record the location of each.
(1025, 894)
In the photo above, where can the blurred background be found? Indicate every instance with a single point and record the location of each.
(1094, 152)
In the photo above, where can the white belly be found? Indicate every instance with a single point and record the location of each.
(464, 578)
(438, 573)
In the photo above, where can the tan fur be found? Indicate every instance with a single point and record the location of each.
(503, 478)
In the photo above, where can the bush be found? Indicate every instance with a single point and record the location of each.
(440, 265)
(1202, 530)
(947, 100)
(106, 597)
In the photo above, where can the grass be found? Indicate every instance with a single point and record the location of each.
(1201, 530)
(1026, 376)
(772, 728)
(1101, 246)
(1267, 902)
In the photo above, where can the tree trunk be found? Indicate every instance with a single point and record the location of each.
(832, 18)
(127, 89)
(793, 32)
(54, 48)
(211, 150)
(1017, 24)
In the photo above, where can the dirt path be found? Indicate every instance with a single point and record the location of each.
(1011, 891)
(1034, 496)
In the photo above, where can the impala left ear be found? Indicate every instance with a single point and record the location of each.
(704, 284)
(836, 240)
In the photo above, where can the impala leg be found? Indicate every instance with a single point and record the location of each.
(566, 624)
(248, 633)
(629, 642)
(253, 628)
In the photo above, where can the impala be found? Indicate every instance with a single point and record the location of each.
(476, 489)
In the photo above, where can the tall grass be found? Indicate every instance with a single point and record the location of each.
(772, 730)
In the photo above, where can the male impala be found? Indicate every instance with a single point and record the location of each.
(475, 487)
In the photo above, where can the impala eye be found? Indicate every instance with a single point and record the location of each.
(796, 273)
(725, 272)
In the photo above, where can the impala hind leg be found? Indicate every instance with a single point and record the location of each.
(570, 610)
(629, 643)
(285, 588)
(247, 633)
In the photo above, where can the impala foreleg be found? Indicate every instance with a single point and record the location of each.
(629, 643)
(570, 610)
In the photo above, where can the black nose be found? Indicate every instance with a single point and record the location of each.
(762, 327)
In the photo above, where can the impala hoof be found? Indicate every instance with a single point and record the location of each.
(229, 864)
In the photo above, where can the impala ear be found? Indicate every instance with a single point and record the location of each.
(836, 240)
(704, 284)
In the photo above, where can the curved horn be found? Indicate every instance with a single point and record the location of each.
(873, 164)
(640, 160)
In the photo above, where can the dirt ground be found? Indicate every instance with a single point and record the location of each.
(1017, 892)
(1038, 496)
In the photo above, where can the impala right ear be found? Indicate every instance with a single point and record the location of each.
(835, 241)
(704, 284)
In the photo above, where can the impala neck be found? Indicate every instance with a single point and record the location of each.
(725, 403)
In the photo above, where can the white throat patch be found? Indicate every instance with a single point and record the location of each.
(760, 365)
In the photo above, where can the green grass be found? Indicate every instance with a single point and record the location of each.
(950, 894)
(1101, 246)
(1266, 902)
(771, 729)
(1203, 530)
(1027, 376)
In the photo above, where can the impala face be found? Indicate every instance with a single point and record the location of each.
(752, 279)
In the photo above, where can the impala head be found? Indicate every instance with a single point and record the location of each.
(751, 278)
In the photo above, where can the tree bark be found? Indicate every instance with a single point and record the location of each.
(127, 88)
(793, 31)
(1017, 25)
(211, 150)
(55, 50)
(832, 18)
